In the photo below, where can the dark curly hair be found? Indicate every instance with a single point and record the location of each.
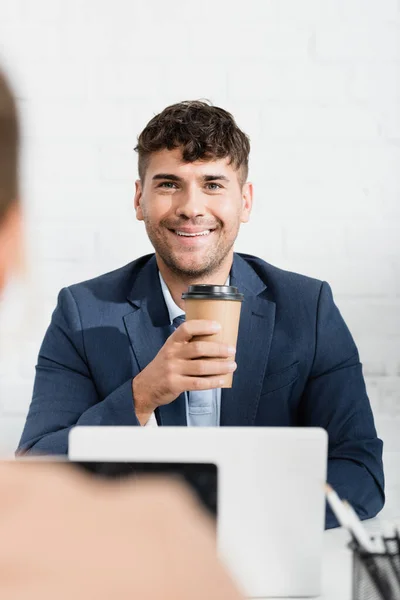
(8, 148)
(202, 131)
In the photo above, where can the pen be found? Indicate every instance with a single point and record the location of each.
(337, 506)
(348, 520)
(359, 530)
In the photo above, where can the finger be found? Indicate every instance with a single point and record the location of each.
(197, 349)
(188, 329)
(205, 368)
(207, 382)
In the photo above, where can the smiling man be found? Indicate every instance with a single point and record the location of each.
(114, 353)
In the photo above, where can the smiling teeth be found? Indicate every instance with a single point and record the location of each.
(206, 232)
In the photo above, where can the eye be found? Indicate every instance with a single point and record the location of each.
(217, 186)
(169, 185)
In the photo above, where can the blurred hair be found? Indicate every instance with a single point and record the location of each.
(9, 143)
(202, 131)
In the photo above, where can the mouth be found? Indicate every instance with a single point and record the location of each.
(190, 236)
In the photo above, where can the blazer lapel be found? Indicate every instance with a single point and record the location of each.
(148, 327)
(239, 404)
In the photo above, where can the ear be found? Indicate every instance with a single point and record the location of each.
(11, 250)
(138, 200)
(247, 202)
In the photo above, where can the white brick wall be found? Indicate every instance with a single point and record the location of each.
(316, 85)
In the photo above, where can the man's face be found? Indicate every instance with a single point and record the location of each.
(192, 211)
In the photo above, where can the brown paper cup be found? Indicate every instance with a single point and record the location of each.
(227, 314)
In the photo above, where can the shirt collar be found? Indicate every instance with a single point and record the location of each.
(173, 309)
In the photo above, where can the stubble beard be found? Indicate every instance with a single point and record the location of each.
(211, 261)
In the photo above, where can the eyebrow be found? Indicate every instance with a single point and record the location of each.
(215, 177)
(168, 176)
(171, 177)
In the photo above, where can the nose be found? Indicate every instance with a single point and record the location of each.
(190, 204)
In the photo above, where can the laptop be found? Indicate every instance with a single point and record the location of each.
(271, 503)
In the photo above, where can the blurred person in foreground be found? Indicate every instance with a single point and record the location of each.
(67, 535)
(114, 355)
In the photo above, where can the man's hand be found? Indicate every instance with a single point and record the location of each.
(67, 535)
(182, 365)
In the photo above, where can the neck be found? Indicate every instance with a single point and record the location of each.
(177, 284)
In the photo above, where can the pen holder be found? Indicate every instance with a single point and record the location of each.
(376, 576)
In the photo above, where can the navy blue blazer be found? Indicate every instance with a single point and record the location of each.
(297, 366)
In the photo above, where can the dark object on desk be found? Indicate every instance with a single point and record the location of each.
(376, 576)
(202, 478)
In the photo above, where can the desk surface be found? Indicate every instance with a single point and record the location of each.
(337, 562)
